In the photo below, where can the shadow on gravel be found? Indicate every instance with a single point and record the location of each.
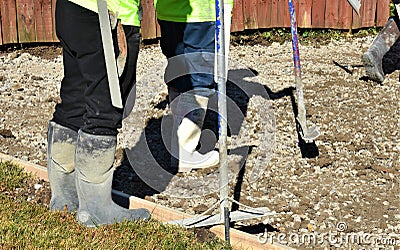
(152, 152)
(307, 149)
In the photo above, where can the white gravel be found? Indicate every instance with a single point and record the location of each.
(354, 180)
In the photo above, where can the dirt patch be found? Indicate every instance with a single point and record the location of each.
(46, 51)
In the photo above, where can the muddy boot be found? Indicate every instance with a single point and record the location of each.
(372, 59)
(61, 143)
(189, 110)
(94, 158)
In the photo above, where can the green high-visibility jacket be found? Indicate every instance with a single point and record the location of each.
(186, 10)
(127, 10)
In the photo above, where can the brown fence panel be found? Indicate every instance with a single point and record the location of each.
(26, 21)
(264, 13)
(303, 13)
(382, 10)
(237, 16)
(286, 14)
(364, 20)
(345, 15)
(33, 20)
(8, 21)
(1, 32)
(280, 13)
(53, 19)
(369, 10)
(149, 26)
(44, 21)
(274, 12)
(331, 14)
(250, 14)
(318, 14)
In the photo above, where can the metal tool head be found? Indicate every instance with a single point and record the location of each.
(356, 5)
(310, 134)
(211, 220)
(397, 8)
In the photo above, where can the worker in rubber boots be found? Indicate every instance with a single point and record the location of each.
(383, 56)
(82, 134)
(188, 42)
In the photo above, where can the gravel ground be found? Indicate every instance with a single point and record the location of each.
(344, 183)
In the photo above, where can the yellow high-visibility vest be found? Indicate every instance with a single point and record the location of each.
(126, 10)
(189, 11)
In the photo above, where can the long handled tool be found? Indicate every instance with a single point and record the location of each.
(308, 134)
(221, 71)
(221, 77)
(397, 9)
(111, 65)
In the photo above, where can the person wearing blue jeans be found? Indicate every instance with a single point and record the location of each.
(187, 41)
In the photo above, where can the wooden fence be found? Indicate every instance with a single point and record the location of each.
(26, 21)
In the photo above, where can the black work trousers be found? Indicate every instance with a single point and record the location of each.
(85, 94)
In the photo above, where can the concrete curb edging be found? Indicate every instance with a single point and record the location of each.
(239, 239)
(35, 169)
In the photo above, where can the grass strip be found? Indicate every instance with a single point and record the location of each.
(29, 225)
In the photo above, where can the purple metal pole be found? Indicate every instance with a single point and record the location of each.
(308, 134)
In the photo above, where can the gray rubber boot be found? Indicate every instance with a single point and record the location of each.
(94, 158)
(372, 59)
(189, 110)
(61, 143)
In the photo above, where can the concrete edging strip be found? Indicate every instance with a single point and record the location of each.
(239, 239)
(35, 169)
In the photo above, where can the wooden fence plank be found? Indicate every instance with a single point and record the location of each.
(9, 21)
(1, 32)
(237, 16)
(331, 14)
(264, 13)
(281, 14)
(44, 23)
(318, 14)
(53, 17)
(40, 33)
(250, 14)
(368, 19)
(26, 21)
(383, 12)
(149, 26)
(304, 13)
(345, 14)
(274, 12)
(286, 20)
